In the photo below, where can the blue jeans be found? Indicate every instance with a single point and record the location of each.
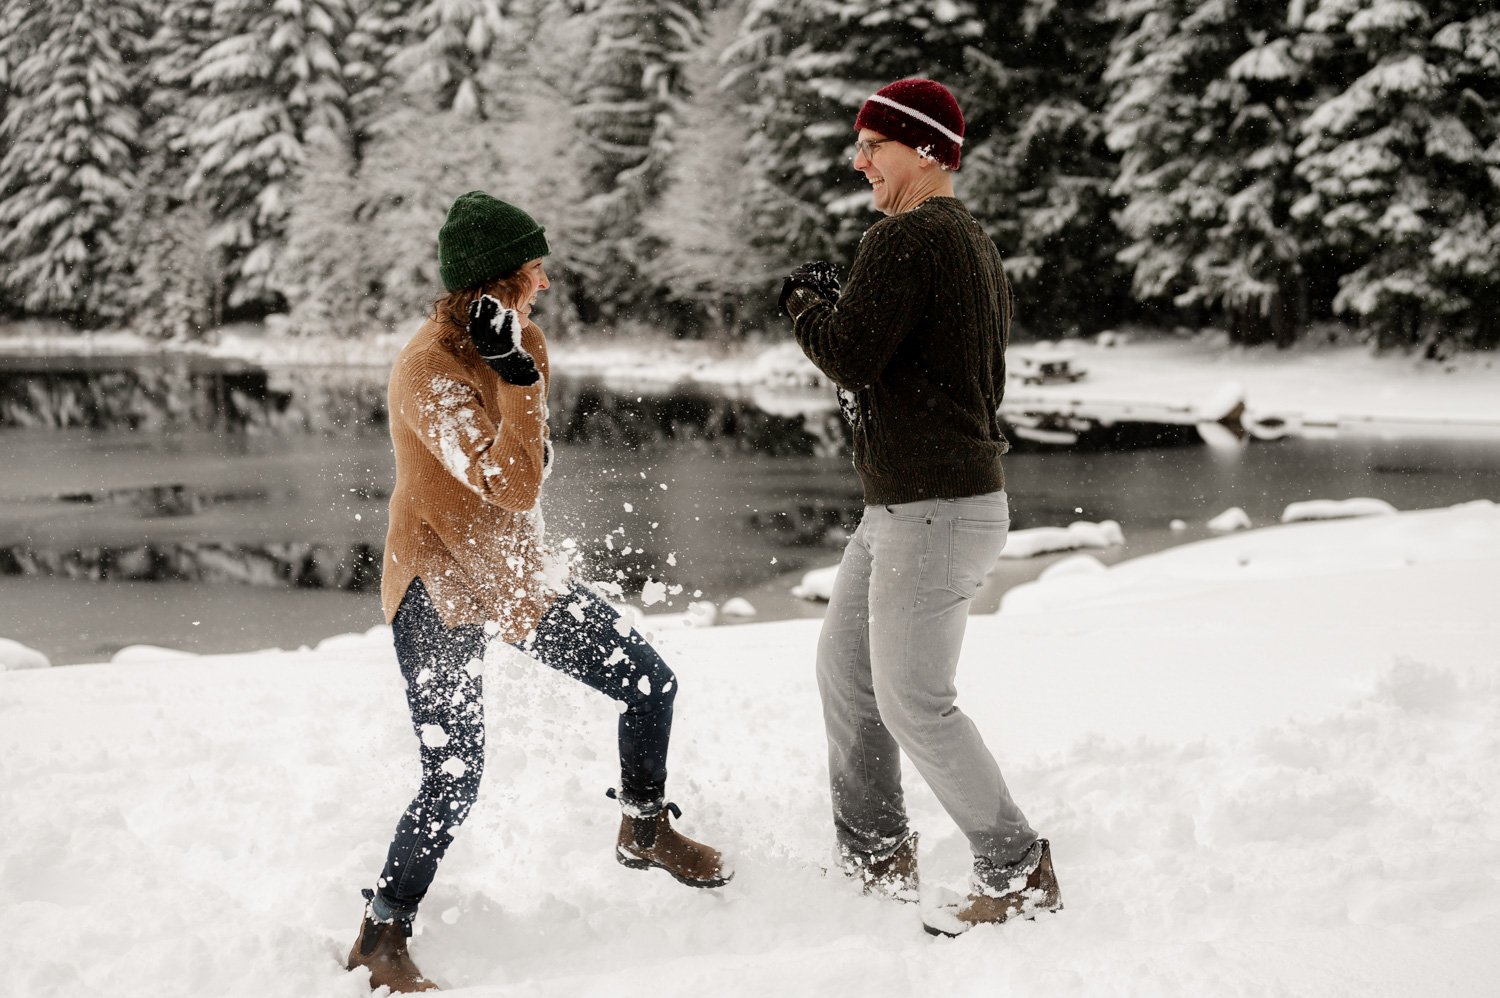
(576, 636)
(887, 659)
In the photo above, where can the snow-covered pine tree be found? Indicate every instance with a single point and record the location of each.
(705, 261)
(1036, 170)
(629, 95)
(378, 35)
(275, 79)
(69, 135)
(1206, 98)
(443, 50)
(1404, 167)
(173, 287)
(361, 232)
(814, 62)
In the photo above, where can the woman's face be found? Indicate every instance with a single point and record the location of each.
(536, 283)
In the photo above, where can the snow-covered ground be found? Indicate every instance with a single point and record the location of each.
(1269, 764)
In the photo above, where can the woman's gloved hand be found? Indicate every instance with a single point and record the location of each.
(496, 332)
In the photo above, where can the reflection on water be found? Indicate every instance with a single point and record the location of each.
(716, 494)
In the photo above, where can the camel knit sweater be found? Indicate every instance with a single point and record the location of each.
(471, 453)
(918, 337)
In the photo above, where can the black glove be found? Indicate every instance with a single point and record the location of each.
(496, 332)
(820, 277)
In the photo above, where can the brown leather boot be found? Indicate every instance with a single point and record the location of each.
(893, 876)
(652, 841)
(1032, 889)
(381, 947)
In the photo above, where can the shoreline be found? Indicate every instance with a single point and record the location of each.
(1309, 390)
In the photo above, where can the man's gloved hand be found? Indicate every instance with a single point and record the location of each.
(820, 277)
(496, 332)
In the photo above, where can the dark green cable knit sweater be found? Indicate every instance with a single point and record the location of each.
(918, 336)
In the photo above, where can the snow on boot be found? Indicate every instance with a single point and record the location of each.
(648, 840)
(381, 947)
(893, 875)
(1026, 889)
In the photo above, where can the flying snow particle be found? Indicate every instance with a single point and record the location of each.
(653, 592)
(628, 508)
(644, 685)
(455, 767)
(672, 558)
(434, 736)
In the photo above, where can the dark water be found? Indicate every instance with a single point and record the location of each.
(262, 530)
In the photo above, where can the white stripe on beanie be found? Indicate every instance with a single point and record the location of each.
(913, 112)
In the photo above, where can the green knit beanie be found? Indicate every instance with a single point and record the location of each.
(484, 238)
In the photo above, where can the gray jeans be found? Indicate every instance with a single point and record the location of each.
(887, 657)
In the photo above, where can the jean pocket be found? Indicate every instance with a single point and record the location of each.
(912, 512)
(974, 547)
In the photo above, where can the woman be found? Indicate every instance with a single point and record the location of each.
(466, 560)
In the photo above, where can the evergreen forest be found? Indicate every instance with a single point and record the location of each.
(1280, 169)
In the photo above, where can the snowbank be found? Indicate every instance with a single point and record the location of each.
(1293, 795)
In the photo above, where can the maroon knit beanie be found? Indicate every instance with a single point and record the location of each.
(918, 113)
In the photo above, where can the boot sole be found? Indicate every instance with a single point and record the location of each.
(633, 863)
(933, 931)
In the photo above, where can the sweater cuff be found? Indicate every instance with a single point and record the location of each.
(801, 299)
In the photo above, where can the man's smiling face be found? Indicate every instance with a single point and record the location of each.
(892, 169)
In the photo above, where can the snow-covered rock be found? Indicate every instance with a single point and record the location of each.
(700, 613)
(1336, 509)
(1233, 518)
(1074, 566)
(14, 655)
(737, 606)
(1226, 400)
(817, 584)
(149, 654)
(1035, 541)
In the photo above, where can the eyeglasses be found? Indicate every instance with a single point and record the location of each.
(868, 146)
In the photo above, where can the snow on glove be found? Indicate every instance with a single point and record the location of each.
(496, 332)
(820, 277)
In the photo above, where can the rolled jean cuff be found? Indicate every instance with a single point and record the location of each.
(632, 806)
(383, 910)
(997, 880)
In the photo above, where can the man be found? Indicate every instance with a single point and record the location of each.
(915, 341)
